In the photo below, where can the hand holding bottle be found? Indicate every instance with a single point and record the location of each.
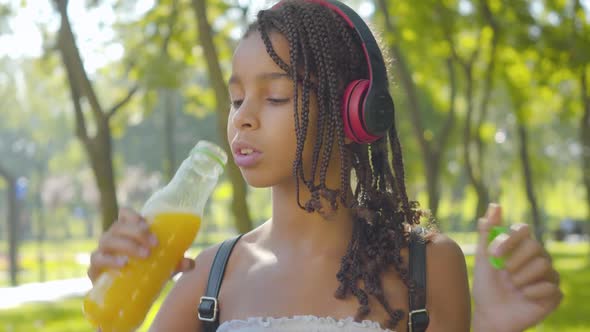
(129, 236)
(136, 256)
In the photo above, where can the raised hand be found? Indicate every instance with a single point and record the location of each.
(521, 294)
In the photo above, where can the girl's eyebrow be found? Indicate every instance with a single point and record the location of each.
(270, 76)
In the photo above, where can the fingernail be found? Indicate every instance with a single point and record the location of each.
(144, 252)
(153, 240)
(491, 209)
(495, 245)
(494, 251)
(121, 260)
(482, 224)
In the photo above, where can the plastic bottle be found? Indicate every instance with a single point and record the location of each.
(120, 299)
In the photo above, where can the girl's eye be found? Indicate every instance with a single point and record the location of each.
(236, 103)
(278, 101)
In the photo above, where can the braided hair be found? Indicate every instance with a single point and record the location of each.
(323, 46)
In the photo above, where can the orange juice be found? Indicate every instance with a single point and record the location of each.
(120, 299)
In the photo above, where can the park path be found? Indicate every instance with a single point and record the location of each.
(48, 291)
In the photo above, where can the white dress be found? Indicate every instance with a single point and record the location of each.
(300, 324)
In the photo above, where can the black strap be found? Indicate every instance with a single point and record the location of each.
(418, 317)
(209, 306)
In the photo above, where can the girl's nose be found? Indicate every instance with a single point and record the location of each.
(245, 117)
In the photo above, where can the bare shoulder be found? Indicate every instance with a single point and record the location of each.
(443, 249)
(178, 312)
(448, 300)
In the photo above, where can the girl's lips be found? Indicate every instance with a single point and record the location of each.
(247, 160)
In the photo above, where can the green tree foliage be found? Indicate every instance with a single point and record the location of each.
(492, 99)
(506, 71)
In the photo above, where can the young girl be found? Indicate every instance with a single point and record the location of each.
(334, 254)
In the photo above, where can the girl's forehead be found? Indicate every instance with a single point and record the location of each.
(251, 51)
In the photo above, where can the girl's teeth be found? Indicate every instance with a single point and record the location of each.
(246, 151)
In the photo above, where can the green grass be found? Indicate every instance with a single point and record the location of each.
(571, 260)
(61, 316)
(60, 260)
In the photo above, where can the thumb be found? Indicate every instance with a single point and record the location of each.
(185, 265)
(492, 218)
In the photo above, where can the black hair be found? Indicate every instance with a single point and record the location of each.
(325, 54)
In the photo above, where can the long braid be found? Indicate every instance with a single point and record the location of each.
(300, 131)
(324, 47)
(316, 48)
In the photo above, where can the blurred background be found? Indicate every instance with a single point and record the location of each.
(101, 100)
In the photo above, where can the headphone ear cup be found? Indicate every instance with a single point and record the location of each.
(353, 111)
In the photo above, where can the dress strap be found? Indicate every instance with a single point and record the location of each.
(418, 318)
(208, 311)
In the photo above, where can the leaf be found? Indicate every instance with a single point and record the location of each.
(487, 131)
(408, 35)
(223, 191)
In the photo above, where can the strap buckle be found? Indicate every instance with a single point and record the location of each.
(420, 320)
(208, 308)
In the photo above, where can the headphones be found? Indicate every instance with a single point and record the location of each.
(367, 107)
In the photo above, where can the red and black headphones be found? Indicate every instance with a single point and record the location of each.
(367, 106)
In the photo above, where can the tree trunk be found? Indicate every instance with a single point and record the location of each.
(102, 165)
(98, 147)
(13, 225)
(433, 186)
(169, 124)
(41, 233)
(527, 173)
(169, 96)
(476, 180)
(432, 155)
(239, 204)
(585, 140)
(488, 85)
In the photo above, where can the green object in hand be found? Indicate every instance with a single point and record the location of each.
(497, 262)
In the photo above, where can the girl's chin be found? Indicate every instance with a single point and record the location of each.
(264, 179)
(259, 180)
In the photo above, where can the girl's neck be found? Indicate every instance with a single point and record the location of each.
(293, 228)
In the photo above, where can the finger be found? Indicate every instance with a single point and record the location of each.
(504, 244)
(554, 277)
(127, 215)
(122, 246)
(100, 261)
(185, 265)
(536, 270)
(138, 233)
(492, 218)
(542, 290)
(524, 252)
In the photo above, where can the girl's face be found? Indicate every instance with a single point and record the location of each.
(261, 126)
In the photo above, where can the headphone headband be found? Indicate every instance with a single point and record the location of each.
(375, 109)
